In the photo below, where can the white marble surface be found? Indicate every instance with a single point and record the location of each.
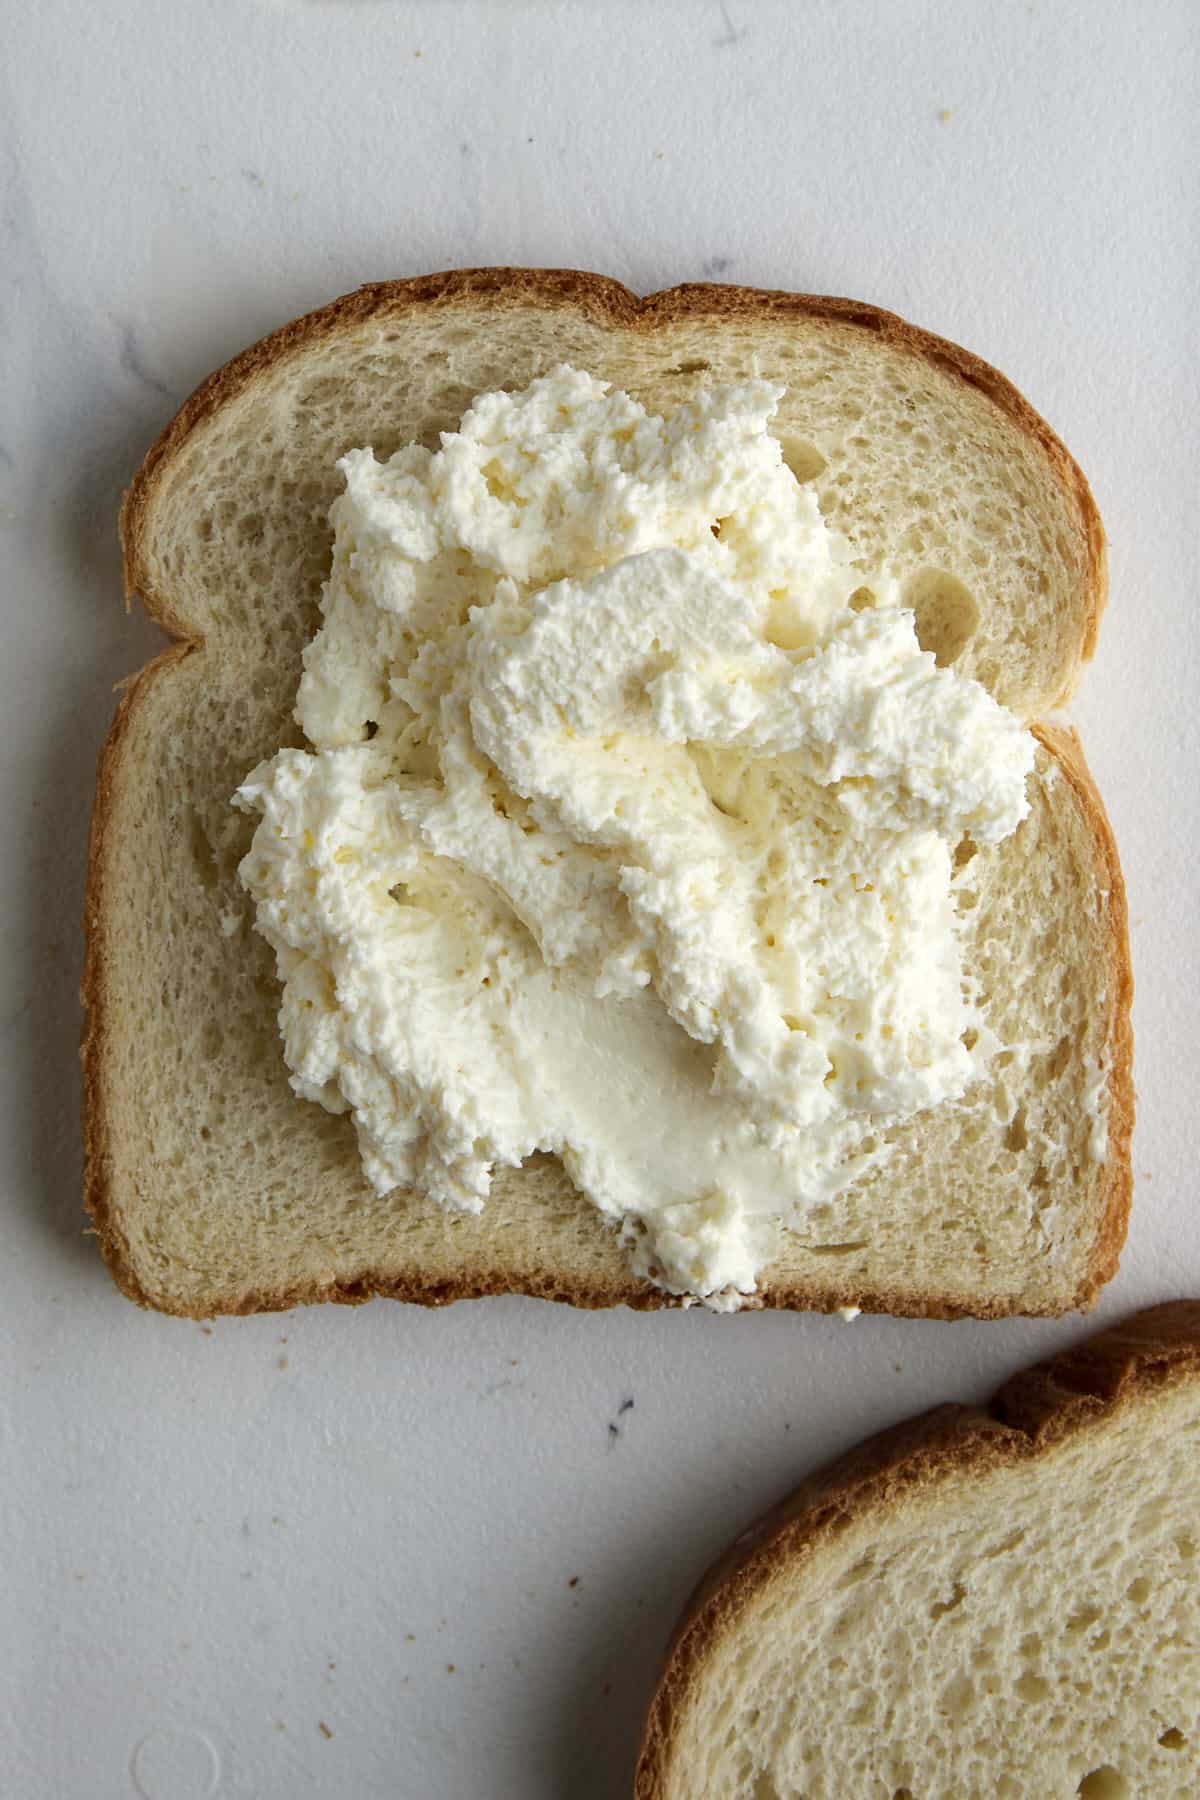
(391, 1553)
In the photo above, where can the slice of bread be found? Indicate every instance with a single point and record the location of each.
(999, 1602)
(213, 1188)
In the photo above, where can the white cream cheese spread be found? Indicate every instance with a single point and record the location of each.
(627, 828)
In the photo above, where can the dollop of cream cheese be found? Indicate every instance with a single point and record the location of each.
(627, 829)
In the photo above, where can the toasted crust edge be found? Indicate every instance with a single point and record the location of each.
(608, 302)
(1033, 1411)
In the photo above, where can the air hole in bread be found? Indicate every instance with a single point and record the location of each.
(1104, 1783)
(1016, 1137)
(696, 367)
(958, 1696)
(861, 600)
(803, 459)
(858, 1572)
(1173, 1739)
(941, 1607)
(947, 615)
(1148, 1520)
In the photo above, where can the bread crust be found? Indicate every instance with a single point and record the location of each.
(606, 302)
(1112, 1221)
(1035, 1410)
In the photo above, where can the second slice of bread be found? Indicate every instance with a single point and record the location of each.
(997, 1601)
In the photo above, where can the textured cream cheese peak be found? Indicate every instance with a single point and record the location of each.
(624, 835)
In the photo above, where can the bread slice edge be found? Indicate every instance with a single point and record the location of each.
(1075, 1391)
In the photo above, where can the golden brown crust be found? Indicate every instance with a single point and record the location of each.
(1112, 1213)
(600, 298)
(1036, 1409)
(607, 302)
(430, 1289)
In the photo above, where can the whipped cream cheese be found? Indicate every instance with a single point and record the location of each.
(627, 829)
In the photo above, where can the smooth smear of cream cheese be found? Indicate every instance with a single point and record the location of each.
(627, 828)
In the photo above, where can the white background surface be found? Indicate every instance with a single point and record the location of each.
(217, 1540)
